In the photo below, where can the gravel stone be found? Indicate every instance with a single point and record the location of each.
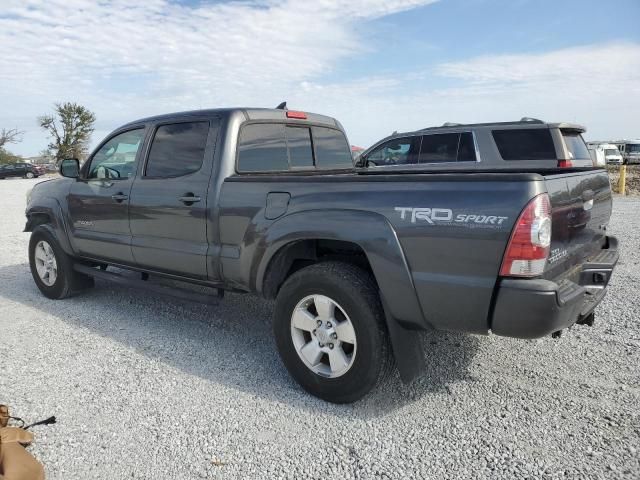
(146, 387)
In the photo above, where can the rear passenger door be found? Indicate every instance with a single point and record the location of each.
(168, 204)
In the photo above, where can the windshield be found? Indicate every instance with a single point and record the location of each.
(575, 145)
(633, 147)
(612, 151)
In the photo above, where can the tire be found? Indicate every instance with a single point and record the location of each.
(29, 175)
(61, 281)
(356, 300)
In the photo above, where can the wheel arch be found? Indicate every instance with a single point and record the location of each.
(364, 232)
(297, 236)
(297, 254)
(48, 214)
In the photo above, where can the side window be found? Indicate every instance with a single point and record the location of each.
(299, 145)
(177, 149)
(441, 147)
(525, 144)
(332, 149)
(117, 157)
(398, 151)
(466, 148)
(262, 148)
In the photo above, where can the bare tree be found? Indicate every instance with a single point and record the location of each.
(70, 128)
(10, 136)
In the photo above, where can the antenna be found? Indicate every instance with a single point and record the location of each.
(282, 106)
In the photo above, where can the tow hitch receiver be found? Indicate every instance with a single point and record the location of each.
(587, 319)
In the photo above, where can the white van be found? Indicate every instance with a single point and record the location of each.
(604, 153)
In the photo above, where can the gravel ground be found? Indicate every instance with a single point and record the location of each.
(147, 387)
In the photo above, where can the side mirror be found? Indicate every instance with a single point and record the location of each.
(361, 162)
(70, 167)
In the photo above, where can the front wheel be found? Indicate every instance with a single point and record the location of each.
(29, 175)
(51, 268)
(330, 331)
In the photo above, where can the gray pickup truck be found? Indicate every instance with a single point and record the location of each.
(268, 201)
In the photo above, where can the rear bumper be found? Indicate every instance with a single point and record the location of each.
(535, 308)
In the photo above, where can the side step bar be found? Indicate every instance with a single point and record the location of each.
(177, 292)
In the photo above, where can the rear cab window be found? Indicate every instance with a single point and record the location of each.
(280, 147)
(262, 148)
(299, 147)
(332, 149)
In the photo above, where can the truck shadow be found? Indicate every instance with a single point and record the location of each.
(230, 344)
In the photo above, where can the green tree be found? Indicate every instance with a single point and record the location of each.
(8, 157)
(70, 128)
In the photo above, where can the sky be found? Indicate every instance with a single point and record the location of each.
(376, 65)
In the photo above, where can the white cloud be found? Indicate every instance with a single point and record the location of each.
(596, 85)
(126, 60)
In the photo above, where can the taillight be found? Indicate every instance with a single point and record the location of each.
(528, 247)
(565, 164)
(296, 114)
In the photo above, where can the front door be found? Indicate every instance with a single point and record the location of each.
(168, 206)
(99, 199)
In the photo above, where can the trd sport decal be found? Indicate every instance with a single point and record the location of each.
(434, 216)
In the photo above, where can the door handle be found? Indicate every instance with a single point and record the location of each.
(119, 197)
(189, 199)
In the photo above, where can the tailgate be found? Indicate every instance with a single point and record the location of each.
(581, 209)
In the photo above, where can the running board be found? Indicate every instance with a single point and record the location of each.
(177, 292)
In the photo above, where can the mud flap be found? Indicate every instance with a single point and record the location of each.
(407, 348)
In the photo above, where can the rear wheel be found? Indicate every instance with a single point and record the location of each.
(51, 268)
(330, 331)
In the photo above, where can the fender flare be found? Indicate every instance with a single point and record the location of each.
(51, 209)
(377, 238)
